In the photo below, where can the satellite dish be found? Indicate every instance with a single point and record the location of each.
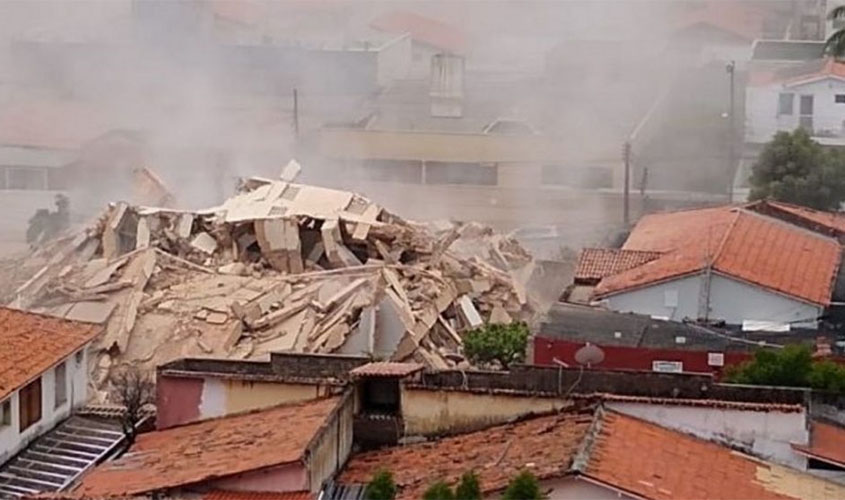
(589, 355)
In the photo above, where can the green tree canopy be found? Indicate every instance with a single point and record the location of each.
(835, 44)
(523, 487)
(505, 344)
(439, 491)
(792, 366)
(795, 169)
(381, 487)
(469, 488)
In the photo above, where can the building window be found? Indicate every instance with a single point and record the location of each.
(785, 103)
(27, 178)
(78, 357)
(61, 384)
(6, 413)
(479, 174)
(840, 98)
(716, 359)
(667, 366)
(30, 404)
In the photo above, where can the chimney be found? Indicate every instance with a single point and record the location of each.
(447, 86)
(823, 348)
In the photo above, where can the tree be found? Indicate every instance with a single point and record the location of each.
(835, 44)
(381, 487)
(795, 169)
(469, 487)
(439, 491)
(504, 344)
(134, 390)
(523, 487)
(792, 366)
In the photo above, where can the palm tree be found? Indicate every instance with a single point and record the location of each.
(835, 44)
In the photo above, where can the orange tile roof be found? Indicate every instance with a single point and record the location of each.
(653, 462)
(739, 244)
(210, 449)
(827, 443)
(257, 495)
(741, 20)
(495, 454)
(800, 74)
(597, 263)
(31, 343)
(834, 222)
(386, 369)
(46, 123)
(422, 29)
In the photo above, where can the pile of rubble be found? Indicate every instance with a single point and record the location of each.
(279, 266)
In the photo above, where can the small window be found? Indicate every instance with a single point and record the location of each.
(6, 413)
(785, 103)
(716, 359)
(840, 98)
(667, 366)
(61, 384)
(680, 339)
(78, 357)
(29, 399)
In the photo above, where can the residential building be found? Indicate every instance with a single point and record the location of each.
(43, 374)
(590, 454)
(727, 264)
(285, 449)
(189, 390)
(810, 95)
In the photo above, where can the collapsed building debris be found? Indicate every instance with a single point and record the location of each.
(278, 267)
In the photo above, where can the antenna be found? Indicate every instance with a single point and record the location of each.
(589, 355)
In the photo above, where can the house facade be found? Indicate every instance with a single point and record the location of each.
(43, 375)
(731, 264)
(810, 96)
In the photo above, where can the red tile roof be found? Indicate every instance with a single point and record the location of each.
(829, 222)
(741, 20)
(653, 462)
(31, 343)
(210, 449)
(740, 244)
(800, 74)
(386, 369)
(422, 29)
(597, 263)
(257, 495)
(46, 123)
(546, 445)
(827, 443)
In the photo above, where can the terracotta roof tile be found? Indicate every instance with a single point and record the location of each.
(741, 20)
(386, 369)
(798, 75)
(657, 463)
(597, 263)
(257, 495)
(209, 449)
(827, 443)
(834, 222)
(31, 343)
(422, 29)
(495, 454)
(741, 244)
(705, 403)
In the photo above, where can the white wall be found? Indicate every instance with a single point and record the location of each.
(761, 108)
(766, 434)
(12, 439)
(735, 301)
(574, 488)
(394, 61)
(730, 300)
(652, 300)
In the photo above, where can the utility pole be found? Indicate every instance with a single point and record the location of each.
(626, 156)
(730, 68)
(295, 113)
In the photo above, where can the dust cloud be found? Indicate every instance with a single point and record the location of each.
(202, 92)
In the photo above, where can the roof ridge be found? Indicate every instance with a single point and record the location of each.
(737, 211)
(581, 459)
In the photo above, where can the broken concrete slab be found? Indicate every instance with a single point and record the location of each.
(204, 242)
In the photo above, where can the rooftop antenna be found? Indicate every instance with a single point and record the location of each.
(589, 355)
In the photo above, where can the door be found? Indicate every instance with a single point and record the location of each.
(30, 404)
(805, 120)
